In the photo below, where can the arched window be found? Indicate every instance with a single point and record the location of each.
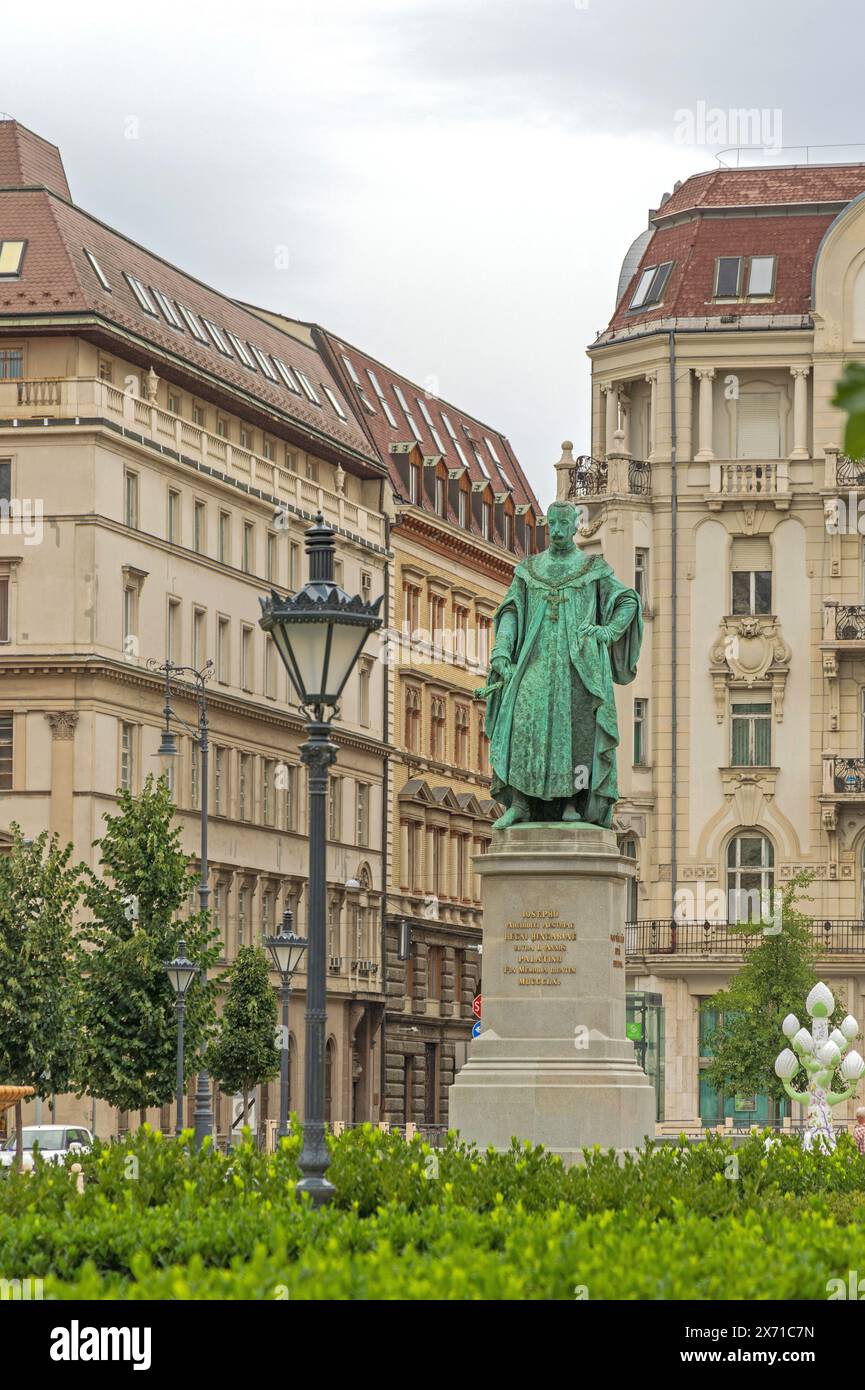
(412, 718)
(629, 850)
(438, 715)
(750, 878)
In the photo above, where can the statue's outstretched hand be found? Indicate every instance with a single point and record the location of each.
(502, 666)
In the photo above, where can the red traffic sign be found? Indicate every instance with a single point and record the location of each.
(476, 1005)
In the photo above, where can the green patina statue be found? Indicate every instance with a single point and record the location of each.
(564, 632)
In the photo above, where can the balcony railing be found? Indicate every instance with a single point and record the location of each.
(849, 472)
(848, 776)
(752, 479)
(75, 399)
(664, 937)
(850, 622)
(591, 477)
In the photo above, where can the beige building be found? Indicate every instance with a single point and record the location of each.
(711, 485)
(161, 452)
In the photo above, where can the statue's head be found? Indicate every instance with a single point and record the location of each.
(562, 521)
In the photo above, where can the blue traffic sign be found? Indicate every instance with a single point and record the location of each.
(476, 1031)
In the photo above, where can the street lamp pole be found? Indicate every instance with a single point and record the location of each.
(181, 972)
(286, 952)
(319, 633)
(203, 1113)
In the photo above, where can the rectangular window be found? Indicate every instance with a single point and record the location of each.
(195, 776)
(641, 708)
(414, 483)
(242, 915)
(199, 528)
(97, 270)
(263, 363)
(288, 801)
(335, 402)
(334, 809)
(130, 623)
(376, 386)
(4, 608)
(463, 508)
(362, 815)
(641, 575)
(168, 309)
(761, 275)
(199, 644)
(751, 735)
(172, 630)
(248, 547)
(222, 650)
(192, 323)
(241, 351)
(651, 285)
(127, 755)
(437, 439)
(11, 364)
(244, 787)
(308, 389)
(752, 591)
(287, 375)
(199, 416)
(267, 791)
(246, 658)
(222, 428)
(364, 675)
(173, 516)
(271, 557)
(408, 415)
(175, 403)
(224, 538)
(486, 521)
(293, 566)
(141, 294)
(217, 338)
(728, 277)
(130, 503)
(6, 752)
(220, 789)
(269, 668)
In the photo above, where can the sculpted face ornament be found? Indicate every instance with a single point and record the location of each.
(566, 631)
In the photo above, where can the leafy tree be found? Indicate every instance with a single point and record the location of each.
(774, 981)
(245, 1053)
(140, 915)
(850, 396)
(40, 967)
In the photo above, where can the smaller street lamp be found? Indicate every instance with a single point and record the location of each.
(181, 972)
(286, 952)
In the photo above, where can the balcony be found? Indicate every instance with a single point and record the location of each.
(844, 624)
(86, 400)
(664, 937)
(740, 481)
(844, 777)
(591, 477)
(849, 473)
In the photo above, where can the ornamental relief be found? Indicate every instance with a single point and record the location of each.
(749, 650)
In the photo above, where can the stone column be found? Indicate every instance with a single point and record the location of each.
(611, 391)
(800, 412)
(454, 885)
(429, 861)
(706, 452)
(652, 379)
(63, 724)
(625, 421)
(404, 860)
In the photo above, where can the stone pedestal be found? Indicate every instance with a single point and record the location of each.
(552, 1063)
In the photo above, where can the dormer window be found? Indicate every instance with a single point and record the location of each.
(408, 415)
(217, 336)
(263, 362)
(242, 354)
(376, 386)
(335, 401)
(287, 375)
(167, 308)
(308, 389)
(651, 285)
(761, 275)
(192, 323)
(11, 258)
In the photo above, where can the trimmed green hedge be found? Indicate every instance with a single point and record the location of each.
(157, 1220)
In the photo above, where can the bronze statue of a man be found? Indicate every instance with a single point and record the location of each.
(564, 632)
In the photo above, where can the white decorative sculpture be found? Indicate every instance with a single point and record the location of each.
(820, 1053)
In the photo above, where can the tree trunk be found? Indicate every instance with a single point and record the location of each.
(142, 1116)
(19, 1137)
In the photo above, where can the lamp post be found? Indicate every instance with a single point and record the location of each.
(181, 972)
(286, 952)
(203, 1115)
(319, 633)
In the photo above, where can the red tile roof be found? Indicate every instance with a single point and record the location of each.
(28, 161)
(694, 227)
(58, 278)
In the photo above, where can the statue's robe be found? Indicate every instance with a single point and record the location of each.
(557, 713)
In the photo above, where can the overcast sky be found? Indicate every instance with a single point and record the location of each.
(451, 184)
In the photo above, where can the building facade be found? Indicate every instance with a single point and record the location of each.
(161, 452)
(717, 484)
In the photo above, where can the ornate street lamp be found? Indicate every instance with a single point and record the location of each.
(286, 952)
(181, 972)
(319, 633)
(167, 751)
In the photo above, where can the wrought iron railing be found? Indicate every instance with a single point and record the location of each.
(664, 937)
(849, 472)
(588, 477)
(848, 775)
(639, 478)
(850, 622)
